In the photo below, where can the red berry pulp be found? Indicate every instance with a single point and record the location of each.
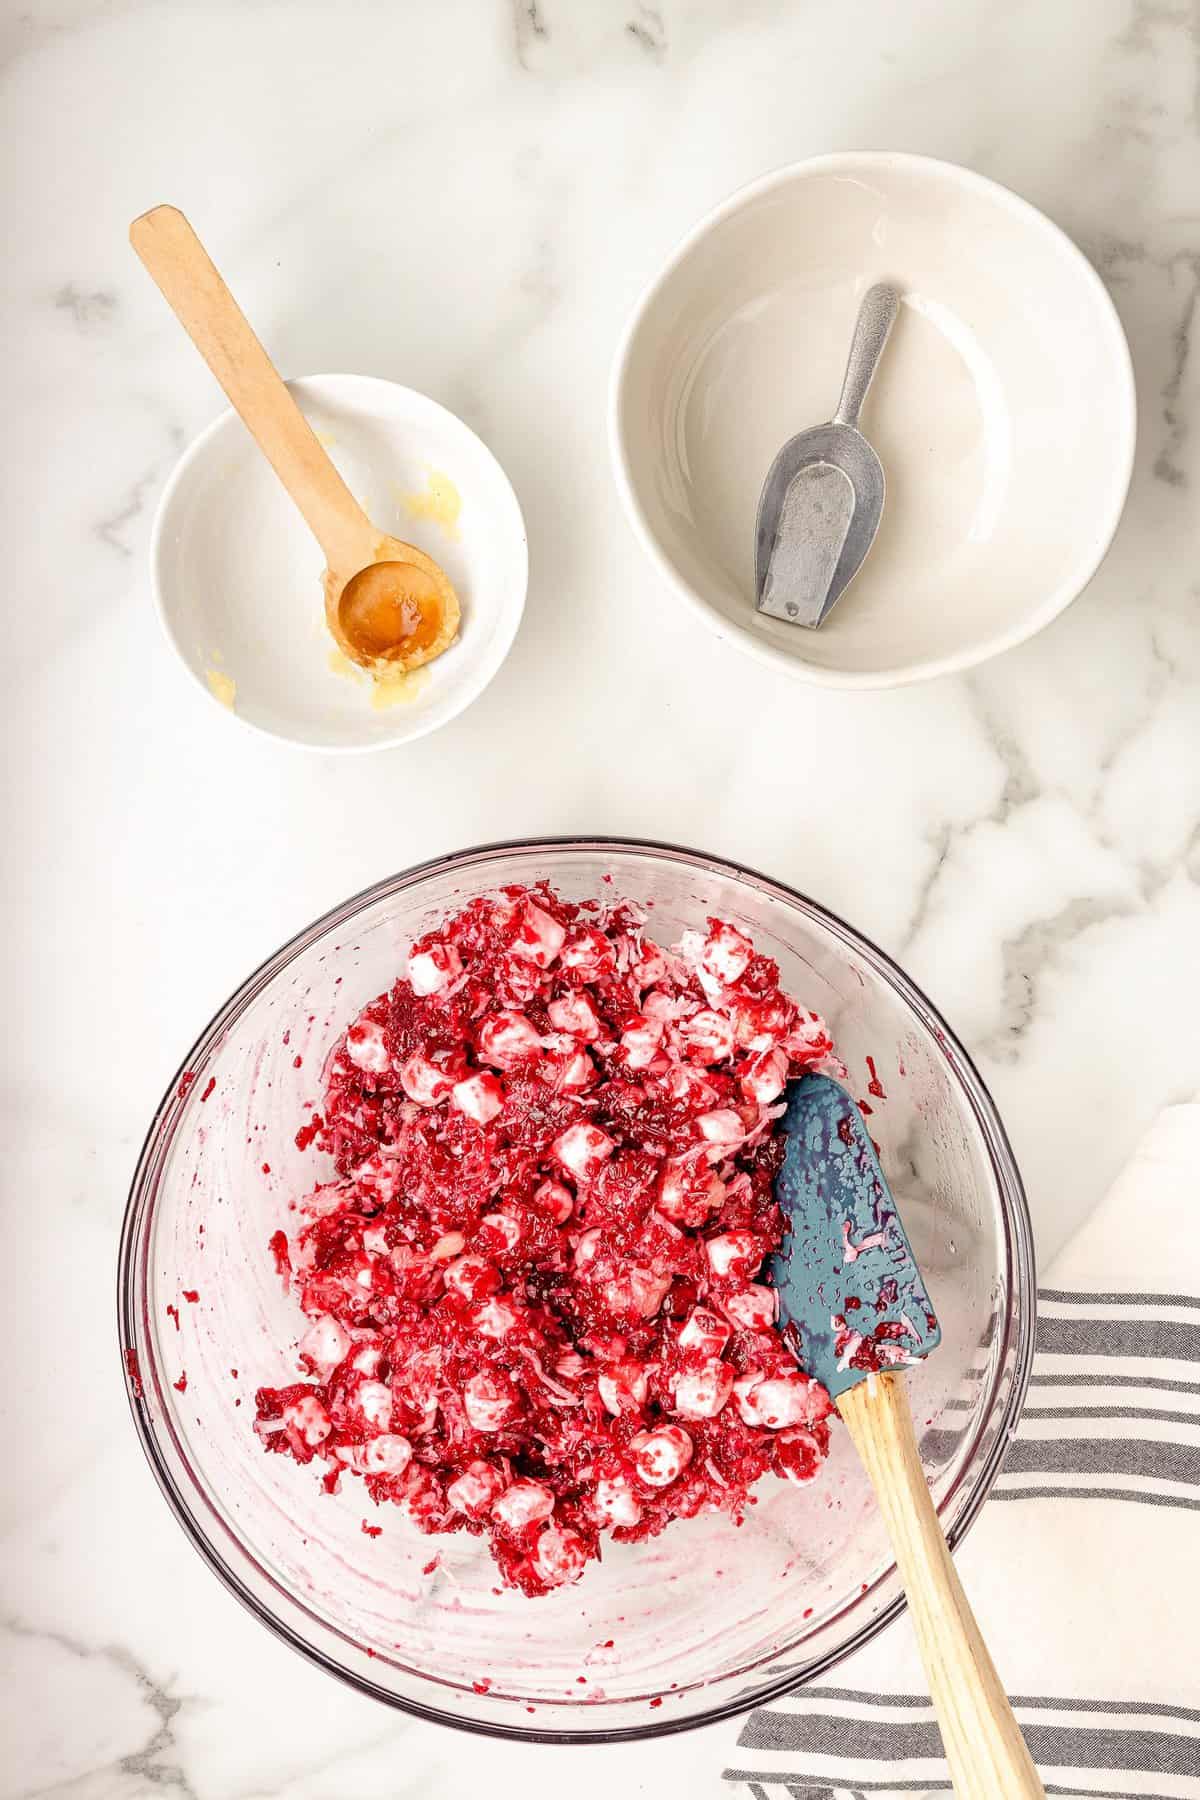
(532, 1284)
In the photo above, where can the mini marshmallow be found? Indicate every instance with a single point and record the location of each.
(708, 1036)
(324, 1345)
(366, 1048)
(475, 1489)
(646, 1288)
(506, 1040)
(553, 1198)
(523, 1504)
(480, 1097)
(575, 1073)
(582, 1149)
(662, 1456)
(734, 1253)
(308, 1420)
(701, 1393)
(588, 952)
(705, 1332)
(575, 1014)
(751, 1308)
(726, 954)
(623, 1387)
(765, 1076)
(490, 1401)
(587, 1248)
(559, 1555)
(500, 1230)
(723, 1126)
(432, 970)
(641, 1043)
(539, 937)
(375, 1403)
(686, 1082)
(386, 1455)
(494, 1318)
(776, 1401)
(689, 1191)
(423, 1081)
(614, 1502)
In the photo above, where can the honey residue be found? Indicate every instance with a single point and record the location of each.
(402, 611)
(222, 687)
(440, 502)
(389, 687)
(340, 664)
(400, 689)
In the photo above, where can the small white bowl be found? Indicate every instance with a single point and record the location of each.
(1004, 410)
(237, 573)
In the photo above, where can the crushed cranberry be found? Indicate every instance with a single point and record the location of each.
(532, 1284)
(309, 1133)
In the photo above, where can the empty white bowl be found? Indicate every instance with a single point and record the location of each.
(1003, 411)
(237, 574)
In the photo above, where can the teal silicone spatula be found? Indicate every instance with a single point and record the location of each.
(854, 1308)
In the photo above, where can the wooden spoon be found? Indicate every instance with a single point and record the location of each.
(854, 1308)
(389, 606)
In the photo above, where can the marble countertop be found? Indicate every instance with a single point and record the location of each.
(468, 197)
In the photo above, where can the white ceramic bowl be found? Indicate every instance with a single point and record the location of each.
(237, 574)
(1004, 410)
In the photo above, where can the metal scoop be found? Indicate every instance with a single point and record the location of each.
(822, 501)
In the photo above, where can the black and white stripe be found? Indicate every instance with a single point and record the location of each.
(1113, 1411)
(1112, 1416)
(834, 1742)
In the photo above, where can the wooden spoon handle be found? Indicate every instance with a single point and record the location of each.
(220, 331)
(983, 1742)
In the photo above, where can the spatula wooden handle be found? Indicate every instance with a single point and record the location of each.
(983, 1743)
(214, 321)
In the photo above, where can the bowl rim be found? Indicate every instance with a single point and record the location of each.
(1124, 445)
(1015, 1348)
(487, 669)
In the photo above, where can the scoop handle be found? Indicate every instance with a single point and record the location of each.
(214, 321)
(984, 1748)
(876, 316)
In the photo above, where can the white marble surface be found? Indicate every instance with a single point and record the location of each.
(467, 196)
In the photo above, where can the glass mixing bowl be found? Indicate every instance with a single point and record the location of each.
(701, 1622)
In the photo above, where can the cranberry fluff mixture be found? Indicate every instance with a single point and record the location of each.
(533, 1287)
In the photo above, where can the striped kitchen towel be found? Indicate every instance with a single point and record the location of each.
(1085, 1566)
